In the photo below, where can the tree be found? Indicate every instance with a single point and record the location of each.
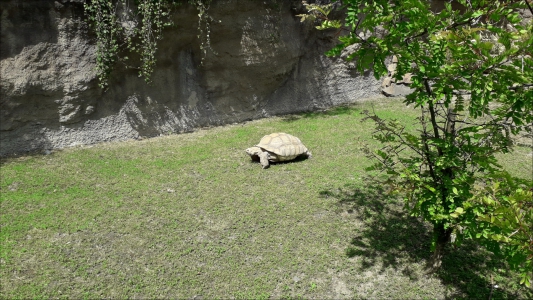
(471, 68)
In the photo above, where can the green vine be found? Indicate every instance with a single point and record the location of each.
(204, 26)
(135, 27)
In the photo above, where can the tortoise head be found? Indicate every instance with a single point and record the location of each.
(254, 152)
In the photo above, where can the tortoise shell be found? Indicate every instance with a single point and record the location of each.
(283, 145)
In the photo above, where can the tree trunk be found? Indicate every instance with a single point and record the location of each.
(442, 237)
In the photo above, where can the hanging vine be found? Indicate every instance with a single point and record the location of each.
(136, 26)
(204, 26)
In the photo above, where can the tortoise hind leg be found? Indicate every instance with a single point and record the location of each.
(263, 158)
(308, 153)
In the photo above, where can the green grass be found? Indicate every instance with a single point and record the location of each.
(191, 215)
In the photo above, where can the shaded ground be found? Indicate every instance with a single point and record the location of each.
(391, 239)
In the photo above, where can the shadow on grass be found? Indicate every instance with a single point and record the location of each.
(23, 156)
(296, 160)
(342, 109)
(336, 111)
(389, 237)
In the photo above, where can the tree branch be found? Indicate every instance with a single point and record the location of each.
(432, 113)
(529, 6)
(426, 147)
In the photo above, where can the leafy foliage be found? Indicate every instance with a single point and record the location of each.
(471, 68)
(135, 27)
(503, 214)
(320, 11)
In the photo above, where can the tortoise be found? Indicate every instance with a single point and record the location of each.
(276, 147)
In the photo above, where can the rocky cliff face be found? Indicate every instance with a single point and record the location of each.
(266, 63)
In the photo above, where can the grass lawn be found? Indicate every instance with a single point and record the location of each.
(191, 216)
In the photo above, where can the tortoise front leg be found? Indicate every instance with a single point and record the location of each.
(263, 158)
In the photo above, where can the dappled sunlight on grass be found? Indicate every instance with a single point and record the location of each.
(388, 239)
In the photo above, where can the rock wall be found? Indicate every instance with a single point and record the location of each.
(266, 63)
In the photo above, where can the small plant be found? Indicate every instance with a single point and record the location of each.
(312, 287)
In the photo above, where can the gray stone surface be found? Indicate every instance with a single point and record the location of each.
(391, 87)
(266, 63)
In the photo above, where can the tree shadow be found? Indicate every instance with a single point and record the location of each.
(391, 238)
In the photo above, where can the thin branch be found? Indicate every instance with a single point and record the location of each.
(455, 25)
(513, 233)
(433, 122)
(407, 39)
(529, 6)
(426, 148)
(525, 85)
